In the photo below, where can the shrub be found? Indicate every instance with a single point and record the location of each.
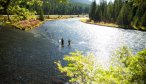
(27, 24)
(126, 68)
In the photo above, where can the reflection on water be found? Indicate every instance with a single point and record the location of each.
(100, 40)
(27, 57)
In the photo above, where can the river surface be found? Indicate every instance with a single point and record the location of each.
(27, 57)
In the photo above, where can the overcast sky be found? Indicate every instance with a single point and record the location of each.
(101, 0)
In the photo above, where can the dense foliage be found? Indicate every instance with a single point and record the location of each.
(15, 7)
(68, 8)
(125, 68)
(41, 16)
(92, 11)
(25, 9)
(125, 13)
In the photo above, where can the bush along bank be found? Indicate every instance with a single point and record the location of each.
(27, 24)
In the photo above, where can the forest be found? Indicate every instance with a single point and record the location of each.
(125, 13)
(18, 12)
(70, 8)
(61, 7)
(46, 42)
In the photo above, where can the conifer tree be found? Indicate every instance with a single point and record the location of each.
(125, 16)
(92, 10)
(41, 16)
(143, 20)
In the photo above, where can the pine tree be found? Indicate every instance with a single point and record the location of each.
(143, 20)
(92, 10)
(41, 17)
(125, 16)
(109, 12)
(103, 10)
(141, 8)
(116, 8)
(97, 14)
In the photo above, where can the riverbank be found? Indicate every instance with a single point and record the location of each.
(33, 23)
(56, 17)
(28, 57)
(86, 20)
(20, 24)
(28, 24)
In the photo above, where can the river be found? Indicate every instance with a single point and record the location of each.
(26, 57)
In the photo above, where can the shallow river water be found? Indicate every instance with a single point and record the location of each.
(27, 57)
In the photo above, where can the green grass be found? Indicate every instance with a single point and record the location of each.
(54, 17)
(86, 20)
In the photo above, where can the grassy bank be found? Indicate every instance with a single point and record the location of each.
(20, 24)
(54, 17)
(27, 24)
(86, 20)
(35, 22)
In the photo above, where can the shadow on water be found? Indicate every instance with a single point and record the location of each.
(99, 40)
(26, 59)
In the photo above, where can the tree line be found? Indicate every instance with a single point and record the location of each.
(23, 9)
(70, 8)
(125, 13)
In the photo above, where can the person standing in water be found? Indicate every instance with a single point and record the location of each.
(69, 41)
(62, 42)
